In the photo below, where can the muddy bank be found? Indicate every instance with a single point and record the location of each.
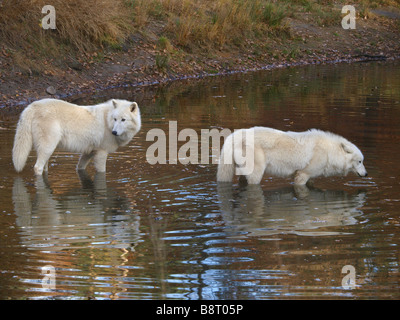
(141, 62)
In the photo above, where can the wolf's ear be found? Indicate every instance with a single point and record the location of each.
(346, 148)
(114, 103)
(134, 106)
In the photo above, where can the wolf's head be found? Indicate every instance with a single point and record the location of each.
(124, 119)
(354, 159)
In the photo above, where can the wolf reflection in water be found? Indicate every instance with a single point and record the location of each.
(250, 211)
(94, 216)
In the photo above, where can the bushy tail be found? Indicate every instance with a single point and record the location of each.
(23, 140)
(226, 166)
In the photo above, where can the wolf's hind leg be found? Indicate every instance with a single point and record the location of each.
(45, 142)
(43, 156)
(258, 164)
(84, 160)
(256, 176)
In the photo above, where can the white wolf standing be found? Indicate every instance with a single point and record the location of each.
(306, 154)
(94, 131)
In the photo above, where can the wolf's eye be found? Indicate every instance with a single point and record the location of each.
(115, 119)
(122, 120)
(359, 161)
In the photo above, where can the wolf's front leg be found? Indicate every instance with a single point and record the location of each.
(100, 159)
(301, 178)
(84, 160)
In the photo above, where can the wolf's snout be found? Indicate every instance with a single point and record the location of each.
(115, 133)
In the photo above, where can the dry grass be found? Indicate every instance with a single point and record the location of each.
(92, 22)
(209, 22)
(81, 24)
(87, 25)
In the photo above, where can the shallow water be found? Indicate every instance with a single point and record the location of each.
(169, 231)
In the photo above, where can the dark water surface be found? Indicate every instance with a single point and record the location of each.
(169, 231)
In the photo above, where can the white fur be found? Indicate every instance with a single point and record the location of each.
(94, 131)
(306, 154)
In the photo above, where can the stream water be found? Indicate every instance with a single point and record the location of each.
(169, 231)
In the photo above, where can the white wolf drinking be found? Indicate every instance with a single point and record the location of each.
(305, 155)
